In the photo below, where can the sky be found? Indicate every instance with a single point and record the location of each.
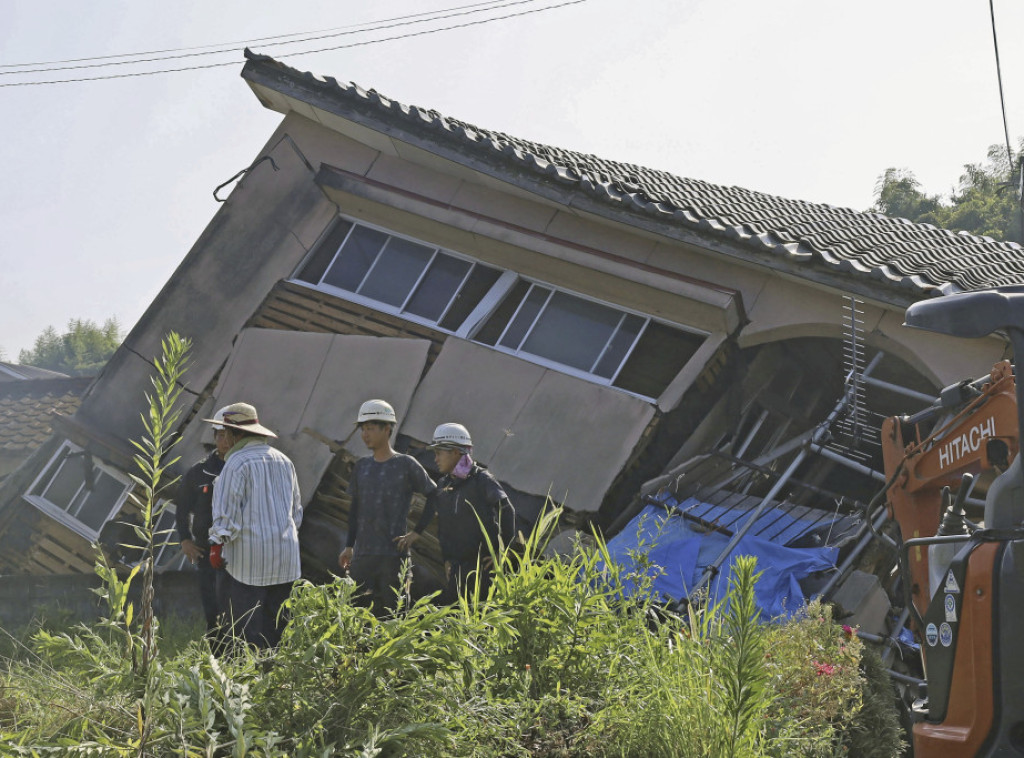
(107, 184)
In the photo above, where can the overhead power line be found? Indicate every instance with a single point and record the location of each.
(1006, 124)
(363, 43)
(246, 42)
(130, 59)
(999, 74)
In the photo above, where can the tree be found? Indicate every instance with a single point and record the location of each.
(984, 202)
(80, 351)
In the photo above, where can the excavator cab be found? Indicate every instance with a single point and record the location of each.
(964, 582)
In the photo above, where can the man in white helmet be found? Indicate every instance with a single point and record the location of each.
(194, 516)
(472, 511)
(257, 513)
(381, 487)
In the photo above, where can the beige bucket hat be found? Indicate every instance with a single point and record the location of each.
(241, 416)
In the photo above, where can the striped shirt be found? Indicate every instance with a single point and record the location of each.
(257, 513)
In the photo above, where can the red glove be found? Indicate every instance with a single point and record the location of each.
(216, 559)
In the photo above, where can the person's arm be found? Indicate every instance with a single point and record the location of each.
(419, 479)
(345, 556)
(184, 507)
(504, 512)
(507, 521)
(408, 539)
(296, 500)
(429, 511)
(228, 492)
(353, 512)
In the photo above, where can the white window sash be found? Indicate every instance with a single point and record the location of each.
(65, 517)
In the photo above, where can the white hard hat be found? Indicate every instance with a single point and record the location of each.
(218, 418)
(451, 435)
(377, 410)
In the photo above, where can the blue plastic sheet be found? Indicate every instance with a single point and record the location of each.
(677, 554)
(775, 525)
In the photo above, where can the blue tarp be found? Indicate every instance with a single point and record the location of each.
(681, 553)
(773, 524)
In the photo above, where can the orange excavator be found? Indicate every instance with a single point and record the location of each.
(962, 576)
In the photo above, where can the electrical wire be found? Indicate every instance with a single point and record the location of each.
(274, 41)
(234, 44)
(999, 74)
(1006, 125)
(301, 52)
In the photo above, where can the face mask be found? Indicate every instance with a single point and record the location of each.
(463, 467)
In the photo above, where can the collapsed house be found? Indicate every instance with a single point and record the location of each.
(615, 337)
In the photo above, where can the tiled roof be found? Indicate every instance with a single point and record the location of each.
(917, 258)
(25, 408)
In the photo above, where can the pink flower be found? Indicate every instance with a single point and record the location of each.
(823, 669)
(848, 631)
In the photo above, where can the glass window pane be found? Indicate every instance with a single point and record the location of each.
(100, 501)
(660, 354)
(488, 334)
(624, 338)
(480, 281)
(438, 287)
(398, 267)
(355, 258)
(525, 318)
(63, 487)
(572, 331)
(321, 258)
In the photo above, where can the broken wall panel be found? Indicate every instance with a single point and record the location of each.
(302, 380)
(538, 429)
(298, 307)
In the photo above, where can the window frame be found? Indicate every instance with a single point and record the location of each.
(49, 474)
(562, 367)
(487, 305)
(379, 305)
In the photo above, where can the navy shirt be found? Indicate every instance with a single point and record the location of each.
(194, 503)
(381, 494)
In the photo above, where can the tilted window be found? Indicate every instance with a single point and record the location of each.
(408, 278)
(77, 488)
(625, 350)
(533, 320)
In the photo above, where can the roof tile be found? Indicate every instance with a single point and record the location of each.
(26, 406)
(862, 243)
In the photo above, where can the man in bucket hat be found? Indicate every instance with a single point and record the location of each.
(255, 534)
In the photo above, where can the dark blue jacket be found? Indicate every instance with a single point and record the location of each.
(462, 506)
